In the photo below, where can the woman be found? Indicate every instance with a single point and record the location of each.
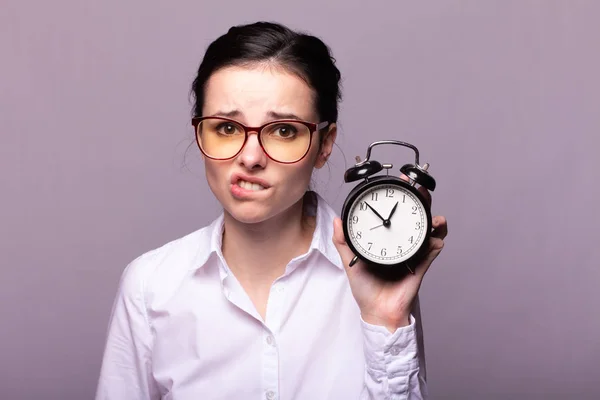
(261, 304)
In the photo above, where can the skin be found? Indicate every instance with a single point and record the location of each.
(272, 219)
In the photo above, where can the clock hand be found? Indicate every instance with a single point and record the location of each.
(376, 213)
(376, 227)
(393, 211)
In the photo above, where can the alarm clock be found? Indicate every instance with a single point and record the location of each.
(386, 220)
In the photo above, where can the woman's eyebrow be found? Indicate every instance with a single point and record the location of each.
(227, 114)
(271, 115)
(277, 115)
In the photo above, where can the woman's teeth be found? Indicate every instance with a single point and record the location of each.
(250, 186)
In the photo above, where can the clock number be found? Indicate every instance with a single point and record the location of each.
(411, 240)
(414, 208)
(359, 235)
(418, 226)
(370, 245)
(399, 250)
(374, 196)
(355, 219)
(363, 206)
(389, 193)
(383, 252)
(404, 198)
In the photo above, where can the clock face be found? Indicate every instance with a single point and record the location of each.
(382, 238)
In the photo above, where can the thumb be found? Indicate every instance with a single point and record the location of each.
(340, 244)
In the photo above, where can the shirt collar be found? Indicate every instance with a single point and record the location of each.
(322, 242)
(211, 235)
(323, 236)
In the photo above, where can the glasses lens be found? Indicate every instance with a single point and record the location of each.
(219, 138)
(286, 141)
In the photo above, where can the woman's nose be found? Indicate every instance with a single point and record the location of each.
(252, 155)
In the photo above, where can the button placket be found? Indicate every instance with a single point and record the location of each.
(270, 368)
(270, 351)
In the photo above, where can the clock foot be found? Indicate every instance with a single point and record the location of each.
(409, 268)
(354, 260)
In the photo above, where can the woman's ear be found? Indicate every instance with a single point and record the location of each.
(326, 146)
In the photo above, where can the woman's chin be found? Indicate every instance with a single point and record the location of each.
(258, 210)
(248, 213)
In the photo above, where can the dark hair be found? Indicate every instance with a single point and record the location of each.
(305, 55)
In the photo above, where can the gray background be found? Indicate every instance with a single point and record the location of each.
(98, 165)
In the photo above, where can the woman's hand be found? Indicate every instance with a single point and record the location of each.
(382, 301)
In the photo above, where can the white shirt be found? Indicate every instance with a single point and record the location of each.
(183, 328)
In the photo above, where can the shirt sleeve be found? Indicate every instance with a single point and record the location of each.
(395, 364)
(126, 364)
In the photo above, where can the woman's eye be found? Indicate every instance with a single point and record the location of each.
(285, 131)
(227, 129)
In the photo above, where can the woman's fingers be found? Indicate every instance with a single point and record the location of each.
(440, 227)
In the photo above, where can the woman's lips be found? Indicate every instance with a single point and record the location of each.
(246, 190)
(238, 178)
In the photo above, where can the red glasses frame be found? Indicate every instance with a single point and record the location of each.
(313, 127)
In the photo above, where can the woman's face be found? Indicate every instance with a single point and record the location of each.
(254, 96)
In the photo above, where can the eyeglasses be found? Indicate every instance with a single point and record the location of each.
(286, 140)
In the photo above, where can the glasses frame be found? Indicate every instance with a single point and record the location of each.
(312, 127)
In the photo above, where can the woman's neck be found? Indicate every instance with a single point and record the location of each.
(257, 254)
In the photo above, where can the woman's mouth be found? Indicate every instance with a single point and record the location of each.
(248, 187)
(244, 189)
(255, 187)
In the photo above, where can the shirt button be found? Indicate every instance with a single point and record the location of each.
(270, 395)
(270, 340)
(395, 350)
(277, 288)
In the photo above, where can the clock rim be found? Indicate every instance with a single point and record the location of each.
(383, 180)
